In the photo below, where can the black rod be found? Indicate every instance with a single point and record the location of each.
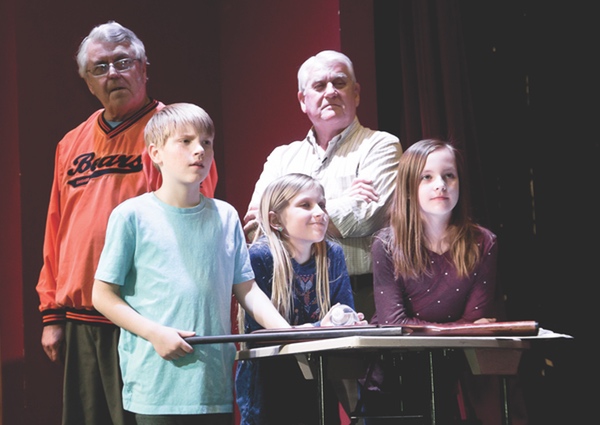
(298, 334)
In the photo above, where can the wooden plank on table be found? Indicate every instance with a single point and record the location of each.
(516, 328)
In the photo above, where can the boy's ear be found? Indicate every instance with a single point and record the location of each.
(153, 153)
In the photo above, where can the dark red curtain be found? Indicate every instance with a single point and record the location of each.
(513, 85)
(422, 79)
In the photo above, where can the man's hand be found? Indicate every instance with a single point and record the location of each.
(53, 342)
(250, 223)
(363, 189)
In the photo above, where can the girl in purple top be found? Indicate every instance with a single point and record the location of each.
(432, 265)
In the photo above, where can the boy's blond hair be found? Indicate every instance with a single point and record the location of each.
(175, 117)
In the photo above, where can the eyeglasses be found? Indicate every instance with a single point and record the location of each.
(121, 65)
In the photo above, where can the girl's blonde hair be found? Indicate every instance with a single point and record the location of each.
(275, 199)
(406, 239)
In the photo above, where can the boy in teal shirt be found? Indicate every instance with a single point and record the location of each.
(171, 260)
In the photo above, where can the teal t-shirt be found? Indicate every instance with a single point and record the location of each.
(177, 267)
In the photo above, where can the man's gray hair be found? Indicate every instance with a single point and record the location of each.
(323, 59)
(110, 32)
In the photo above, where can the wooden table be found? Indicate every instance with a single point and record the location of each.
(495, 355)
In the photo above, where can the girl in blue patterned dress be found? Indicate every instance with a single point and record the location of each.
(304, 274)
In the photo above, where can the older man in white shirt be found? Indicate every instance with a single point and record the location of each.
(357, 166)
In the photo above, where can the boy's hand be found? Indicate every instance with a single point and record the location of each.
(169, 343)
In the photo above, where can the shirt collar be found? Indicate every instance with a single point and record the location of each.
(337, 140)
